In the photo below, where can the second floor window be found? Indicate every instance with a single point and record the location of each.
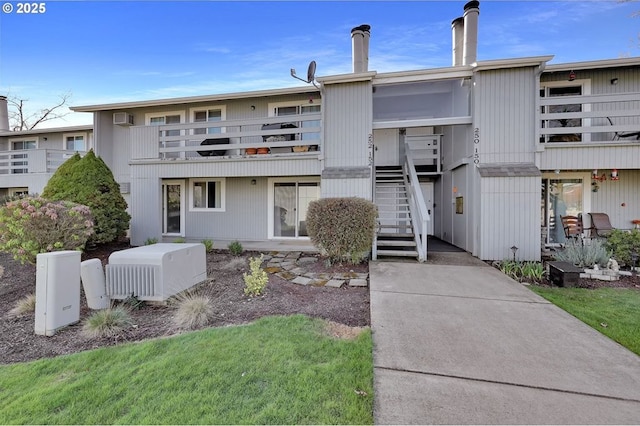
(208, 115)
(75, 143)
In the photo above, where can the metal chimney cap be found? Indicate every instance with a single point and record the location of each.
(457, 21)
(474, 4)
(364, 28)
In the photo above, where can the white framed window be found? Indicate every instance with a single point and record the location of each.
(20, 161)
(209, 114)
(207, 194)
(23, 144)
(281, 109)
(553, 89)
(76, 142)
(170, 117)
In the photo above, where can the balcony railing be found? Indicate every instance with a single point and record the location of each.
(292, 135)
(32, 161)
(590, 118)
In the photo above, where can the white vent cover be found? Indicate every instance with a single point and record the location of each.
(125, 187)
(155, 272)
(122, 119)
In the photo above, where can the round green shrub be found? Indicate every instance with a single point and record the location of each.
(34, 225)
(343, 228)
(88, 180)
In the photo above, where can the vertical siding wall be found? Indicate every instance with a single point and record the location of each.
(510, 215)
(504, 115)
(347, 128)
(613, 194)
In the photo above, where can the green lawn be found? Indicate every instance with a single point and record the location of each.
(279, 370)
(612, 311)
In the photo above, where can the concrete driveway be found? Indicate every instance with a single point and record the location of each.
(466, 345)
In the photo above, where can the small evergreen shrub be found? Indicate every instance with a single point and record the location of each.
(584, 255)
(107, 322)
(24, 306)
(88, 180)
(30, 226)
(255, 282)
(343, 228)
(623, 244)
(208, 245)
(192, 311)
(235, 248)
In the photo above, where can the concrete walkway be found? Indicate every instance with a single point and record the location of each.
(460, 343)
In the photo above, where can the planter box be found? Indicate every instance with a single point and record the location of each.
(564, 274)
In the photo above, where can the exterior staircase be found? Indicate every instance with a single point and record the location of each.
(395, 236)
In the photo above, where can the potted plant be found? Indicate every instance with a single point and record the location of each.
(251, 151)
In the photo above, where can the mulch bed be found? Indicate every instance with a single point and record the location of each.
(18, 343)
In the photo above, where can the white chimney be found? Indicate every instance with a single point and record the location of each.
(457, 33)
(360, 48)
(4, 115)
(470, 49)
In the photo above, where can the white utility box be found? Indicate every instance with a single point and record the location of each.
(155, 272)
(57, 291)
(93, 282)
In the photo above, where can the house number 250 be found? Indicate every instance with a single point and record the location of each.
(476, 146)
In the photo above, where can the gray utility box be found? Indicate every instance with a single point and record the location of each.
(155, 272)
(57, 291)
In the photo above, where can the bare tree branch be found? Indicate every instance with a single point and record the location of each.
(21, 119)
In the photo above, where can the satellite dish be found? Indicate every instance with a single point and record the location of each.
(311, 72)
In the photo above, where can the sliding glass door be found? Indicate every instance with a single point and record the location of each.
(290, 203)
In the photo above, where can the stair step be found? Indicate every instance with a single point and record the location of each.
(398, 253)
(395, 243)
(396, 235)
(397, 226)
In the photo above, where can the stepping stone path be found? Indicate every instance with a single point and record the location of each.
(296, 267)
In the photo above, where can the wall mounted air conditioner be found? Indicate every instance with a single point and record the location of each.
(122, 119)
(155, 272)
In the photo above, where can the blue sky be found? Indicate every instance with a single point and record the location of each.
(114, 51)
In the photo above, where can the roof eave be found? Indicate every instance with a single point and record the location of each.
(194, 99)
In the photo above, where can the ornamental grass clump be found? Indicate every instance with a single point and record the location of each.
(107, 322)
(193, 311)
(23, 306)
(35, 225)
(342, 228)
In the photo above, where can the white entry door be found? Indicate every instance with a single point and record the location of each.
(427, 193)
(387, 147)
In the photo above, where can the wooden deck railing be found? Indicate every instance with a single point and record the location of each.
(32, 161)
(291, 135)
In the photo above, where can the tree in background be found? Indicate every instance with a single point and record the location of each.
(21, 119)
(88, 180)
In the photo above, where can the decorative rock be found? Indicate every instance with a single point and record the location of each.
(285, 275)
(334, 283)
(318, 283)
(272, 269)
(357, 282)
(293, 255)
(298, 271)
(307, 260)
(301, 281)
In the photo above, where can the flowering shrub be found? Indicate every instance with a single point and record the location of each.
(35, 225)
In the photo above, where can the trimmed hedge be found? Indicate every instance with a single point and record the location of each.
(342, 228)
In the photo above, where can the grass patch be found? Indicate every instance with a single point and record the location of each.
(615, 312)
(278, 370)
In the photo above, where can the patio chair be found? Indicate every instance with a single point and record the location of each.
(600, 225)
(572, 226)
(623, 135)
